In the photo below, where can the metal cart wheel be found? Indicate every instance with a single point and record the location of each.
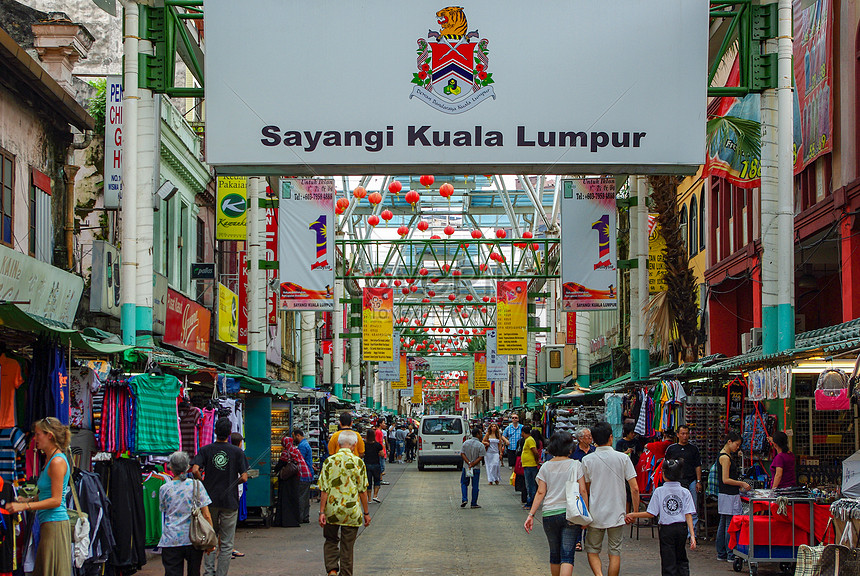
(786, 567)
(753, 569)
(738, 564)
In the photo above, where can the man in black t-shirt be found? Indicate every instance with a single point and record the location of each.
(224, 466)
(692, 478)
(629, 442)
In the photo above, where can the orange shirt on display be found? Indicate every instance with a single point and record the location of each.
(10, 380)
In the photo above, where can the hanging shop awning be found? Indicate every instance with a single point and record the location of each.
(14, 318)
(577, 393)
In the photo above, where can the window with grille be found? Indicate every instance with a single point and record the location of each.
(7, 189)
(694, 227)
(40, 237)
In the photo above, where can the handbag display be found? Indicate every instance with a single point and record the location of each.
(201, 533)
(831, 391)
(576, 512)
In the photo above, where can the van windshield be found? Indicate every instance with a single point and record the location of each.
(442, 426)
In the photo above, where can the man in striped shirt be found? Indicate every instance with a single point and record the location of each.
(513, 432)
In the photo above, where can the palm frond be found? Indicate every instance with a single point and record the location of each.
(660, 324)
(745, 133)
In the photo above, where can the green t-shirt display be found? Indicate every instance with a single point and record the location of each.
(152, 508)
(156, 417)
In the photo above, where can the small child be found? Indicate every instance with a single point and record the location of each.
(673, 504)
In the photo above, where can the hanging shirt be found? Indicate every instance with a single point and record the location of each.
(10, 380)
(189, 419)
(12, 443)
(83, 446)
(152, 507)
(83, 382)
(156, 430)
(235, 413)
(60, 386)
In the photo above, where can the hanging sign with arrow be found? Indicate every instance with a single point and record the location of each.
(231, 208)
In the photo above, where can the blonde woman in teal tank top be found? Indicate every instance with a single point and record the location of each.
(54, 554)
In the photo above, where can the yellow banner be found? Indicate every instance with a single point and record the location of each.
(417, 395)
(656, 258)
(378, 325)
(512, 317)
(464, 390)
(231, 208)
(403, 383)
(481, 382)
(228, 317)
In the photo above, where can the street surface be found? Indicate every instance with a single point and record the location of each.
(420, 529)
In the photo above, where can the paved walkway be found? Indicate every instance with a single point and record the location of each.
(420, 529)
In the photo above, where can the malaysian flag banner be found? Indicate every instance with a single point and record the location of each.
(306, 243)
(588, 255)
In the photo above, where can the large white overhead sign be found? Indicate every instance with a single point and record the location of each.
(332, 87)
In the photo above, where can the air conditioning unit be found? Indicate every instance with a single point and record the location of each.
(755, 337)
(746, 342)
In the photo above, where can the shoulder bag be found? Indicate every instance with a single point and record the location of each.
(288, 470)
(79, 522)
(576, 512)
(201, 533)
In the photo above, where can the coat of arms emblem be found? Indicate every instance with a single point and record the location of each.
(452, 71)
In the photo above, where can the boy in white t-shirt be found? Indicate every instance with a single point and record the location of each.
(673, 505)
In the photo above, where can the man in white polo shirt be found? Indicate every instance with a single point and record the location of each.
(605, 472)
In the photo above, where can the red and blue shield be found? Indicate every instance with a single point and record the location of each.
(452, 68)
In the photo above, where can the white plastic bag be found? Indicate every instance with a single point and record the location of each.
(81, 540)
(576, 511)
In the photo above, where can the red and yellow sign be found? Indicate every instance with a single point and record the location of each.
(512, 316)
(403, 383)
(417, 389)
(378, 325)
(481, 382)
(463, 393)
(187, 324)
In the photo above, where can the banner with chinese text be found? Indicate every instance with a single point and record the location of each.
(378, 324)
(481, 382)
(401, 383)
(306, 243)
(588, 251)
(511, 316)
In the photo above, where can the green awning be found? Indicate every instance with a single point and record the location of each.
(16, 319)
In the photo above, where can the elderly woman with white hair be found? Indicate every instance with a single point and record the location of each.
(343, 504)
(177, 501)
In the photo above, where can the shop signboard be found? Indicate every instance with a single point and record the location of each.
(462, 103)
(656, 257)
(389, 371)
(570, 332)
(203, 270)
(272, 256)
(377, 317)
(104, 283)
(463, 391)
(511, 316)
(228, 317)
(306, 244)
(159, 303)
(588, 264)
(48, 291)
(480, 372)
(410, 383)
(231, 206)
(187, 324)
(417, 391)
(113, 142)
(242, 337)
(497, 364)
(402, 381)
(273, 345)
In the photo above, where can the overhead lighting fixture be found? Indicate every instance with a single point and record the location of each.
(816, 366)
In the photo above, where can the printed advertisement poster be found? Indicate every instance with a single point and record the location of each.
(656, 257)
(417, 391)
(306, 243)
(187, 324)
(377, 317)
(463, 393)
(232, 208)
(402, 383)
(113, 141)
(228, 317)
(813, 78)
(243, 298)
(511, 316)
(481, 382)
(588, 253)
(272, 256)
(497, 364)
(389, 371)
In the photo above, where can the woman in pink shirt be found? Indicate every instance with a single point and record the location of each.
(782, 466)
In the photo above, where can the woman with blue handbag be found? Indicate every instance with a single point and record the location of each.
(552, 479)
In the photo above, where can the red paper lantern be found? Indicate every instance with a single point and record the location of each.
(359, 192)
(527, 235)
(425, 300)
(500, 233)
(343, 203)
(413, 288)
(535, 246)
(446, 191)
(484, 309)
(423, 226)
(446, 267)
(387, 215)
(338, 210)
(423, 271)
(427, 180)
(464, 315)
(397, 283)
(482, 267)
(486, 298)
(434, 280)
(405, 291)
(476, 234)
(451, 297)
(413, 198)
(403, 231)
(383, 285)
(373, 219)
(410, 280)
(449, 230)
(493, 299)
(395, 187)
(431, 293)
(375, 198)
(457, 273)
(469, 297)
(435, 237)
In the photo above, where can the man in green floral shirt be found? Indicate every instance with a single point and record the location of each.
(343, 503)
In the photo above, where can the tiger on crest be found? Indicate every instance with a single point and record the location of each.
(453, 22)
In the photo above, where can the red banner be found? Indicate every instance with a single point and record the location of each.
(272, 256)
(243, 298)
(570, 337)
(187, 324)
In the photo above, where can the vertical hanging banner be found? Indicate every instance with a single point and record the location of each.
(813, 78)
(113, 141)
(656, 257)
(410, 382)
(463, 392)
(588, 244)
(417, 391)
(481, 382)
(272, 256)
(389, 370)
(497, 364)
(228, 317)
(511, 316)
(306, 243)
(570, 332)
(377, 322)
(231, 208)
(242, 338)
(402, 382)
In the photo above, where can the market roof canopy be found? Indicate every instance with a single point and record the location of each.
(478, 99)
(13, 317)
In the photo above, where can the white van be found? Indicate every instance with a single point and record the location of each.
(440, 440)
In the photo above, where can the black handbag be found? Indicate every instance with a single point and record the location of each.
(288, 470)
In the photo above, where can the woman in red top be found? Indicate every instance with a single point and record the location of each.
(782, 466)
